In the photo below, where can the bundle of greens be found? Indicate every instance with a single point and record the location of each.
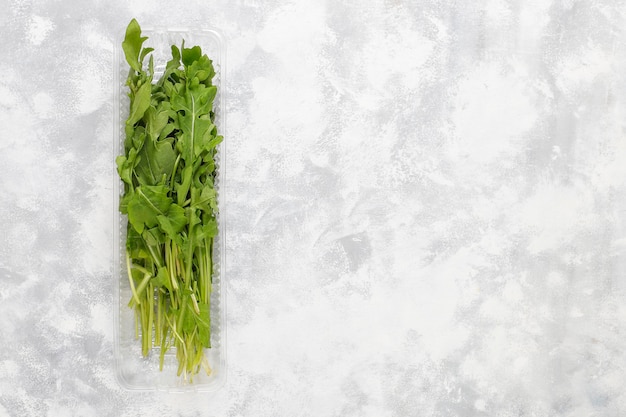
(168, 171)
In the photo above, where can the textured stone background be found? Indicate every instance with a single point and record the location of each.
(425, 207)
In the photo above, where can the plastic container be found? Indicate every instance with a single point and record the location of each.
(133, 371)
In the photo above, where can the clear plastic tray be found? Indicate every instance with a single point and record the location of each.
(134, 372)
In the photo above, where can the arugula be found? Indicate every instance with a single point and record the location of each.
(168, 171)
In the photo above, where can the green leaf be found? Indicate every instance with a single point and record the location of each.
(193, 107)
(172, 65)
(213, 142)
(204, 199)
(183, 188)
(124, 201)
(139, 103)
(190, 55)
(157, 160)
(209, 228)
(202, 70)
(174, 222)
(165, 132)
(153, 236)
(136, 245)
(146, 204)
(124, 169)
(138, 138)
(162, 278)
(150, 66)
(194, 217)
(132, 45)
(144, 52)
(156, 119)
(202, 140)
(189, 322)
(206, 231)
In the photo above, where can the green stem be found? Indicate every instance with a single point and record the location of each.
(144, 282)
(189, 260)
(209, 257)
(137, 320)
(202, 272)
(181, 342)
(174, 170)
(163, 347)
(156, 259)
(181, 313)
(145, 348)
(159, 321)
(140, 269)
(130, 279)
(150, 307)
(172, 266)
(194, 303)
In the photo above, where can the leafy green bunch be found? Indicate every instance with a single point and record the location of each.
(168, 171)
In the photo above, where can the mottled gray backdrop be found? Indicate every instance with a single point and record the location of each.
(424, 200)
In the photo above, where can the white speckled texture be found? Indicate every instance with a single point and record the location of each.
(425, 207)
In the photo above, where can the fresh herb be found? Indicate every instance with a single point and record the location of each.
(168, 171)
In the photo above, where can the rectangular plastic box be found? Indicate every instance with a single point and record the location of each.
(133, 371)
